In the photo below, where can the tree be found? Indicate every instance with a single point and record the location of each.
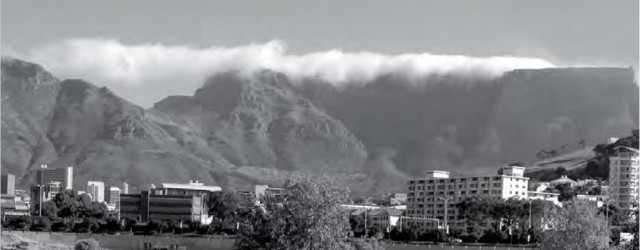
(224, 206)
(307, 215)
(41, 224)
(357, 225)
(575, 226)
(20, 223)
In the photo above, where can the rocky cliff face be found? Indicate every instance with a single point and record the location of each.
(238, 130)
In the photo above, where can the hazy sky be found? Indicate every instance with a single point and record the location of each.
(565, 32)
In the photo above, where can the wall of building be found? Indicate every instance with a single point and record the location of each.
(8, 184)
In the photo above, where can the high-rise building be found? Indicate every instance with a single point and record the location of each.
(46, 175)
(114, 196)
(43, 193)
(96, 190)
(624, 186)
(69, 178)
(430, 197)
(125, 188)
(8, 184)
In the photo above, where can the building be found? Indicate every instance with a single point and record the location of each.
(398, 198)
(623, 177)
(546, 196)
(95, 189)
(192, 188)
(563, 180)
(46, 175)
(542, 186)
(125, 188)
(149, 206)
(8, 184)
(259, 191)
(435, 194)
(384, 219)
(43, 193)
(12, 206)
(114, 196)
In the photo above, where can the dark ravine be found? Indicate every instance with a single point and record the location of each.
(236, 131)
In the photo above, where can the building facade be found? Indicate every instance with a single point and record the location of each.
(192, 188)
(114, 196)
(8, 184)
(46, 175)
(43, 193)
(147, 206)
(623, 177)
(434, 195)
(95, 189)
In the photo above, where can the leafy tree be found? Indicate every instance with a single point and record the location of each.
(41, 224)
(111, 225)
(357, 225)
(307, 215)
(224, 206)
(575, 226)
(20, 223)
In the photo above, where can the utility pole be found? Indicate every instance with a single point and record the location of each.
(40, 201)
(366, 201)
(607, 211)
(446, 215)
(530, 228)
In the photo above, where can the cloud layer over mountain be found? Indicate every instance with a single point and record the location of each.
(180, 69)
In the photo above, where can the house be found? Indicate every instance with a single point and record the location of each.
(563, 180)
(384, 219)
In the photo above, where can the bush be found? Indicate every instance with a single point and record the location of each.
(41, 224)
(87, 244)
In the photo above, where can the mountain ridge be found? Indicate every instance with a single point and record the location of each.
(237, 130)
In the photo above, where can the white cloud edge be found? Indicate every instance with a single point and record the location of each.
(109, 60)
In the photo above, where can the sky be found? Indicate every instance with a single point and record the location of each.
(561, 33)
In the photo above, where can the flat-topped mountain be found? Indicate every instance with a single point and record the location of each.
(237, 129)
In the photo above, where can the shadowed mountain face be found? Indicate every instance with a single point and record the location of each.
(239, 130)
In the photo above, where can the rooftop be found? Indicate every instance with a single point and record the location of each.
(192, 185)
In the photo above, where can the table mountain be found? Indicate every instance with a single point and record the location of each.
(244, 128)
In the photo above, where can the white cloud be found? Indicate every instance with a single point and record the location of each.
(109, 62)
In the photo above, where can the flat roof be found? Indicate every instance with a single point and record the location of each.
(191, 187)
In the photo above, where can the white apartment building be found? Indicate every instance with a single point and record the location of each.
(426, 195)
(96, 190)
(114, 196)
(624, 181)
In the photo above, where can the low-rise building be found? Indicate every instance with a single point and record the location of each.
(384, 219)
(147, 206)
(398, 198)
(563, 180)
(7, 184)
(546, 196)
(12, 206)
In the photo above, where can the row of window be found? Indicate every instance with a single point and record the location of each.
(454, 180)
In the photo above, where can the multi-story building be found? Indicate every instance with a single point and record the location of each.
(192, 188)
(46, 175)
(8, 184)
(148, 206)
(435, 194)
(259, 191)
(43, 193)
(398, 198)
(95, 189)
(623, 177)
(563, 180)
(12, 206)
(125, 188)
(114, 196)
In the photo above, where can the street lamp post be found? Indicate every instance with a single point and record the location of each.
(607, 211)
(40, 201)
(446, 215)
(366, 202)
(529, 235)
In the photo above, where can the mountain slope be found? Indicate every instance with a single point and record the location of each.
(240, 129)
(469, 125)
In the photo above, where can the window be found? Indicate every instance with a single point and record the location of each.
(429, 193)
(497, 185)
(421, 182)
(485, 191)
(451, 192)
(486, 178)
(430, 181)
(441, 181)
(474, 179)
(482, 185)
(411, 182)
(463, 180)
(496, 178)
